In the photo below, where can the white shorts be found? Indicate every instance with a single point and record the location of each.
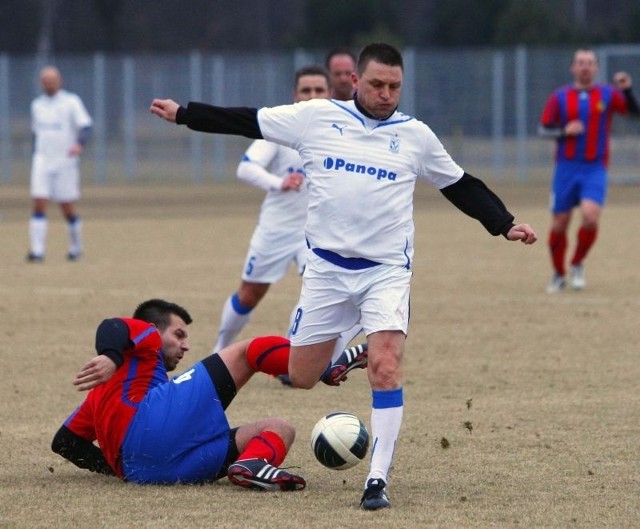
(56, 179)
(267, 261)
(333, 299)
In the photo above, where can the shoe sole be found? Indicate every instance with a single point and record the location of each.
(373, 504)
(249, 481)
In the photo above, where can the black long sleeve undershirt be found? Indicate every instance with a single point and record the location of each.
(112, 338)
(82, 453)
(240, 121)
(632, 102)
(471, 196)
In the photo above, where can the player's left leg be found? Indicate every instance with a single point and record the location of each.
(385, 316)
(387, 408)
(592, 198)
(74, 226)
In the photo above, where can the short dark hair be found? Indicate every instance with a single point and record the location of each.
(312, 69)
(338, 51)
(158, 312)
(380, 52)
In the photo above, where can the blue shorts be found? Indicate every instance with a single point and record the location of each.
(576, 181)
(180, 433)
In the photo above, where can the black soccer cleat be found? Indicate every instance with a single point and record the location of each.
(375, 496)
(34, 258)
(257, 474)
(351, 358)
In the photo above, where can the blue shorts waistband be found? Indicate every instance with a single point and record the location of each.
(350, 263)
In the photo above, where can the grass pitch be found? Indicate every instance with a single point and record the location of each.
(521, 408)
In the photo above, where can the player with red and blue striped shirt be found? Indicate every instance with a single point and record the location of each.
(154, 430)
(579, 117)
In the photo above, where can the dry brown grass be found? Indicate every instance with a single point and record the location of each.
(536, 396)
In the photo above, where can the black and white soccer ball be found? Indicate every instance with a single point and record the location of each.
(340, 440)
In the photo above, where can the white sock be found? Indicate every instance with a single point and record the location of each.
(38, 235)
(234, 318)
(75, 236)
(386, 420)
(344, 339)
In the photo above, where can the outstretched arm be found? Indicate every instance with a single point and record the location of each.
(239, 121)
(82, 453)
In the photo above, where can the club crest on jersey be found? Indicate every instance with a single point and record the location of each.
(394, 144)
(338, 164)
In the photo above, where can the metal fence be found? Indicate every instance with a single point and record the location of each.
(483, 104)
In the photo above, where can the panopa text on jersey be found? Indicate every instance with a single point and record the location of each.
(338, 164)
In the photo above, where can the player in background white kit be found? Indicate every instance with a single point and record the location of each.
(340, 63)
(278, 239)
(362, 159)
(61, 127)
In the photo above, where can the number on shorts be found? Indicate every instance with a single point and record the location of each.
(184, 377)
(249, 268)
(296, 321)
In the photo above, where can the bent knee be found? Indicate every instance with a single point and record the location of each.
(302, 381)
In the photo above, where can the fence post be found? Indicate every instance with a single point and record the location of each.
(5, 119)
(217, 88)
(129, 116)
(100, 118)
(409, 82)
(195, 80)
(497, 103)
(521, 112)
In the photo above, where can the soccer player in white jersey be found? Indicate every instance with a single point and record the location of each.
(61, 127)
(362, 152)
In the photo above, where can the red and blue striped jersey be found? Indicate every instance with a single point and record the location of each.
(108, 409)
(595, 108)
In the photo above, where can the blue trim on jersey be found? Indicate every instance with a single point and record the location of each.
(408, 265)
(245, 158)
(239, 307)
(137, 339)
(39, 216)
(391, 398)
(350, 263)
(349, 111)
(386, 123)
(381, 123)
(131, 373)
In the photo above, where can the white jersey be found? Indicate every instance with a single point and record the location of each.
(55, 122)
(361, 175)
(283, 213)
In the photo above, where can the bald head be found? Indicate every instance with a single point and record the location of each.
(50, 79)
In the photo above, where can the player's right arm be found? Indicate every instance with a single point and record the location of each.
(551, 125)
(253, 167)
(240, 121)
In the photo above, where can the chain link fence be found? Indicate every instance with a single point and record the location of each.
(483, 104)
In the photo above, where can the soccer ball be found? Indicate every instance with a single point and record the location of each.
(339, 440)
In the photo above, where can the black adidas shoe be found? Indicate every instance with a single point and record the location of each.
(351, 358)
(259, 475)
(375, 496)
